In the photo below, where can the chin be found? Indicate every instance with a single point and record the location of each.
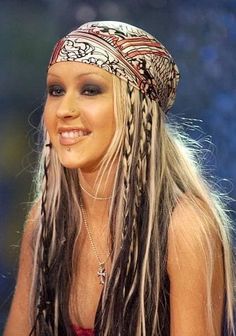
(69, 163)
(83, 166)
(73, 160)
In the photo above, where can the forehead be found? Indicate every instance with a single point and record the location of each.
(77, 69)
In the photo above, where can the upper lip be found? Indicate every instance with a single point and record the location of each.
(69, 129)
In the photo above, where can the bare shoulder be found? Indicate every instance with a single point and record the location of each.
(31, 223)
(29, 231)
(192, 235)
(195, 268)
(19, 316)
(192, 225)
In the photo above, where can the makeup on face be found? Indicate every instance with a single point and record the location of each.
(79, 113)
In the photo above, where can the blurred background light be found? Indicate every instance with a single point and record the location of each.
(85, 13)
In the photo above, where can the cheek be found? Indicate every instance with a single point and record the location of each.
(111, 123)
(48, 119)
(101, 118)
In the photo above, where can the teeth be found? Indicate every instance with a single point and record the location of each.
(73, 134)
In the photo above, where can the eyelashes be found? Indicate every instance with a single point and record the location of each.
(87, 90)
(55, 90)
(91, 90)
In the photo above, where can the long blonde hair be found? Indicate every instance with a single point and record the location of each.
(157, 166)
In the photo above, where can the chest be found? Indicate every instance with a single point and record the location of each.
(86, 287)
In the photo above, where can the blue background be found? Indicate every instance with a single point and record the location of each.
(201, 35)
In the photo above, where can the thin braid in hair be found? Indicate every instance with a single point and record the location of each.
(54, 253)
(43, 304)
(155, 170)
(136, 223)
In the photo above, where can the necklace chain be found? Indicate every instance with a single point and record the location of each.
(95, 197)
(101, 269)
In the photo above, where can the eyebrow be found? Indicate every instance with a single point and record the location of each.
(79, 76)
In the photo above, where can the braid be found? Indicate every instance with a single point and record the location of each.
(44, 304)
(129, 263)
(133, 299)
(54, 252)
(133, 265)
(149, 181)
(129, 136)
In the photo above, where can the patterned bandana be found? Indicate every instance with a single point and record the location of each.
(126, 51)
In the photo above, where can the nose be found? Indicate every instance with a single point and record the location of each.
(67, 109)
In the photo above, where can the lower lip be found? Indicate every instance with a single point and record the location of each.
(71, 141)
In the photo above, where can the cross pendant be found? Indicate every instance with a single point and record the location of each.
(101, 274)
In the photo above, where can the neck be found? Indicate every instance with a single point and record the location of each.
(96, 191)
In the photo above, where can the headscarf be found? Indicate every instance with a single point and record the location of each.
(125, 51)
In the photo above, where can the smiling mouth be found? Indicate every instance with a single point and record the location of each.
(72, 137)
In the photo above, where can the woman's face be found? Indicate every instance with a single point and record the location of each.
(78, 114)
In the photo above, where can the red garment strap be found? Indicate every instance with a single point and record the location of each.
(82, 331)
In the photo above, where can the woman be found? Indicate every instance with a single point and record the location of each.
(125, 236)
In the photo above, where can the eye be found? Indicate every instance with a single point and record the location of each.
(55, 90)
(91, 90)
